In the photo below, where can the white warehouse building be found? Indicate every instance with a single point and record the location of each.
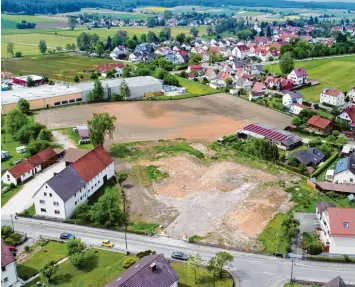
(138, 86)
(60, 195)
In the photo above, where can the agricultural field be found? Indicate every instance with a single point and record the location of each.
(51, 65)
(332, 73)
(10, 21)
(203, 118)
(111, 13)
(26, 50)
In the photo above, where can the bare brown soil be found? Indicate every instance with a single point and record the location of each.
(226, 202)
(204, 118)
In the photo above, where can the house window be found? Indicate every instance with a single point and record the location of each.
(79, 99)
(3, 268)
(46, 186)
(42, 201)
(81, 197)
(56, 212)
(75, 202)
(71, 101)
(6, 280)
(346, 224)
(57, 103)
(8, 176)
(45, 194)
(43, 210)
(64, 102)
(50, 195)
(55, 203)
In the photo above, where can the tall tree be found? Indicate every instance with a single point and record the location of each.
(30, 82)
(24, 106)
(99, 48)
(75, 245)
(42, 46)
(125, 92)
(194, 31)
(194, 263)
(102, 124)
(210, 30)
(49, 270)
(98, 91)
(72, 22)
(180, 38)
(220, 261)
(120, 37)
(287, 63)
(151, 37)
(107, 210)
(15, 120)
(143, 38)
(10, 49)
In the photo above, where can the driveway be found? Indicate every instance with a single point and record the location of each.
(23, 199)
(62, 140)
(308, 221)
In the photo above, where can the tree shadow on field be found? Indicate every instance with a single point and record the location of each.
(90, 263)
(60, 279)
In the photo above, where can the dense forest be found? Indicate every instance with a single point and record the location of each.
(61, 6)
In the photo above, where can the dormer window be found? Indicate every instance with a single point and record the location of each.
(346, 224)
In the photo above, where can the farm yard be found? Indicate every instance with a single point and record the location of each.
(332, 73)
(203, 118)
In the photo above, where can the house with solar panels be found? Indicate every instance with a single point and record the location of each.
(60, 195)
(344, 171)
(283, 139)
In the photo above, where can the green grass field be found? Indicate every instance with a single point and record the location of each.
(52, 251)
(10, 21)
(75, 138)
(51, 65)
(332, 73)
(102, 267)
(7, 195)
(26, 50)
(195, 88)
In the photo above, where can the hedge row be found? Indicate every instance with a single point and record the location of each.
(325, 165)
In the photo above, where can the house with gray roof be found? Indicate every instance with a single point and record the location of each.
(309, 157)
(60, 195)
(344, 171)
(150, 271)
(292, 97)
(336, 282)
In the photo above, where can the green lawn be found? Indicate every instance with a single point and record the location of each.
(332, 73)
(272, 237)
(205, 278)
(10, 145)
(26, 50)
(75, 138)
(7, 195)
(196, 88)
(53, 251)
(29, 18)
(51, 65)
(102, 267)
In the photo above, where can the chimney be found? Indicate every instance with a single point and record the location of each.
(153, 266)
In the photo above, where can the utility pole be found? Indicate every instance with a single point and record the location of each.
(292, 270)
(12, 222)
(121, 179)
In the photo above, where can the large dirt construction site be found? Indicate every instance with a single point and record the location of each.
(204, 118)
(222, 201)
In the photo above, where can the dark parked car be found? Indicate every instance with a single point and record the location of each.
(22, 239)
(180, 256)
(66, 236)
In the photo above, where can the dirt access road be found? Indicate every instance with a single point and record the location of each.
(203, 118)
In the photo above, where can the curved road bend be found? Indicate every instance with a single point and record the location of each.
(250, 270)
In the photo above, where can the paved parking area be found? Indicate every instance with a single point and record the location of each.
(308, 221)
(23, 199)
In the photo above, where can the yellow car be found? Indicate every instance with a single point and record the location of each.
(107, 243)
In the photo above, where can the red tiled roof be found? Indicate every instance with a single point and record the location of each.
(209, 72)
(318, 122)
(92, 163)
(266, 132)
(6, 256)
(300, 72)
(351, 113)
(196, 67)
(338, 217)
(331, 92)
(104, 68)
(215, 49)
(259, 87)
(243, 48)
(30, 163)
(183, 52)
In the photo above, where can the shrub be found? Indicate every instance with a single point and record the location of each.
(145, 253)
(18, 54)
(27, 248)
(78, 259)
(6, 231)
(315, 249)
(128, 262)
(75, 245)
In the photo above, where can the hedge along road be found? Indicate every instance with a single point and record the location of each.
(203, 118)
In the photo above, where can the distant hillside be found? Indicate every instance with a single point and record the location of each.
(62, 6)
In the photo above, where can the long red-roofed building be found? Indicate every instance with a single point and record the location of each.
(29, 167)
(60, 195)
(281, 138)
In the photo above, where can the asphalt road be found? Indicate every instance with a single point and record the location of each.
(250, 270)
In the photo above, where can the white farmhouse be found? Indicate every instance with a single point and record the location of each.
(241, 51)
(333, 97)
(338, 230)
(297, 108)
(348, 115)
(298, 76)
(60, 195)
(8, 267)
(292, 97)
(351, 94)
